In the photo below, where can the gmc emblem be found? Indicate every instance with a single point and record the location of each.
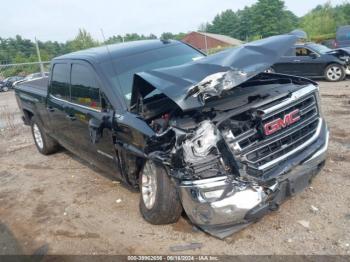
(278, 124)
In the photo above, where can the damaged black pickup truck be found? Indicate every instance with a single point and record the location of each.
(215, 136)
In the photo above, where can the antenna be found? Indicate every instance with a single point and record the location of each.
(110, 57)
(105, 44)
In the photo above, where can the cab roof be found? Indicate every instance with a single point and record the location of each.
(115, 51)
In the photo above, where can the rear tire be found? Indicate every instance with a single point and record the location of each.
(334, 73)
(44, 143)
(5, 89)
(159, 201)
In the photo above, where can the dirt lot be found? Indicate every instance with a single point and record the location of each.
(60, 205)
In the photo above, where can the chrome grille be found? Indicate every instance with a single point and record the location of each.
(245, 137)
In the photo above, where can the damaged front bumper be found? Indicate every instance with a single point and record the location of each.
(223, 205)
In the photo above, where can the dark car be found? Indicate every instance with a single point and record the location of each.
(214, 136)
(30, 77)
(314, 61)
(3, 87)
(330, 43)
(11, 80)
(342, 37)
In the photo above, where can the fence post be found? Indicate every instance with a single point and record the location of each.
(39, 58)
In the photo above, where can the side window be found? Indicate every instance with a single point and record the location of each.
(301, 51)
(84, 88)
(60, 81)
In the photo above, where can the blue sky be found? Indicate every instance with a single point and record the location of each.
(60, 19)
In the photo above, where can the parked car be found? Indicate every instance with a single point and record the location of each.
(10, 80)
(215, 135)
(342, 37)
(330, 43)
(314, 61)
(3, 87)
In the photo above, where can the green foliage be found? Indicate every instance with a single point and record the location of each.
(320, 38)
(217, 49)
(128, 37)
(168, 35)
(82, 41)
(225, 23)
(263, 19)
(324, 20)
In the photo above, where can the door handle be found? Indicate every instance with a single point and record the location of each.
(50, 109)
(297, 60)
(71, 117)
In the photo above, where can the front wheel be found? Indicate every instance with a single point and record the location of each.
(159, 201)
(334, 73)
(5, 89)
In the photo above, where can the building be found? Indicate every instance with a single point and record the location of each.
(205, 41)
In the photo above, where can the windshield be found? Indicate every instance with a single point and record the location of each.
(321, 49)
(127, 67)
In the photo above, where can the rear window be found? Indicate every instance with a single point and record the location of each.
(60, 81)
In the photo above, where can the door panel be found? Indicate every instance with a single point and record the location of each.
(58, 122)
(84, 107)
(285, 64)
(57, 101)
(307, 65)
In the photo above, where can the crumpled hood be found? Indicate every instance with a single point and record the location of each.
(344, 49)
(189, 85)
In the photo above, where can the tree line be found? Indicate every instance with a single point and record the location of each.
(262, 19)
(270, 17)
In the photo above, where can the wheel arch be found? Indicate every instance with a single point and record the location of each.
(27, 116)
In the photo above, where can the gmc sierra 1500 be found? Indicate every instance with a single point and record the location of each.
(214, 135)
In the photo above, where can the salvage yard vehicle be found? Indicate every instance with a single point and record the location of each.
(314, 61)
(3, 87)
(214, 135)
(8, 82)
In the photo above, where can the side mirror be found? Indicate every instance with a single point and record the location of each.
(313, 55)
(96, 126)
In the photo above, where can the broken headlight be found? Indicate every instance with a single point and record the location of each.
(202, 143)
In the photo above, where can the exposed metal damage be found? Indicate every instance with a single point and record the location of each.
(228, 171)
(215, 84)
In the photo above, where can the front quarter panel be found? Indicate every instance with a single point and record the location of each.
(132, 132)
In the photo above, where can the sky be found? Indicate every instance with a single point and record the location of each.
(59, 20)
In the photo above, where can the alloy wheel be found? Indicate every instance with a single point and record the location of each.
(334, 73)
(38, 137)
(149, 184)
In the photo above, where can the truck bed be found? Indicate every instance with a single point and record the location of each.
(37, 86)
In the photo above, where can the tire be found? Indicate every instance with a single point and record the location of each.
(166, 207)
(334, 73)
(5, 89)
(44, 143)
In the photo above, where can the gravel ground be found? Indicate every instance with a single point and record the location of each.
(60, 205)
